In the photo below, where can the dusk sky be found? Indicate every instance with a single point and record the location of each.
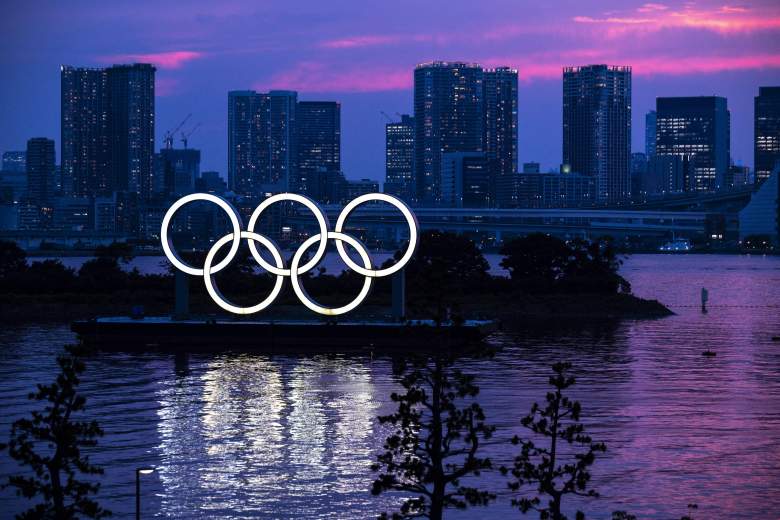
(363, 53)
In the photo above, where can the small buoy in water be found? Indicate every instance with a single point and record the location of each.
(709, 353)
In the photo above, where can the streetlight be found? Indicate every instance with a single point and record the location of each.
(148, 470)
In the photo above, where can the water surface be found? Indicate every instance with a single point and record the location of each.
(240, 435)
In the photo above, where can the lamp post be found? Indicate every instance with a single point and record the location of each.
(138, 472)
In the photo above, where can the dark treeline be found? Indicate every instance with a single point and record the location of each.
(447, 272)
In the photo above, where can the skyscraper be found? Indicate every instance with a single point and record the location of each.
(131, 127)
(697, 127)
(448, 117)
(650, 125)
(767, 131)
(597, 127)
(500, 130)
(107, 126)
(246, 135)
(84, 132)
(281, 132)
(399, 158)
(176, 171)
(261, 140)
(318, 142)
(465, 180)
(40, 170)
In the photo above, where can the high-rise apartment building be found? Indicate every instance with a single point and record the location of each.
(448, 117)
(697, 127)
(282, 107)
(131, 127)
(261, 140)
(85, 156)
(176, 170)
(766, 148)
(499, 88)
(318, 143)
(107, 128)
(650, 126)
(399, 158)
(597, 127)
(246, 135)
(40, 170)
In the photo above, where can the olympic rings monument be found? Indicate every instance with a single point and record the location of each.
(296, 269)
(235, 330)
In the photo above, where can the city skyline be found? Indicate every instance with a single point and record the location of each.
(736, 50)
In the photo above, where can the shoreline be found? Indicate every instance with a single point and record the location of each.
(504, 309)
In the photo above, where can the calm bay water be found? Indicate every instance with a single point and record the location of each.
(240, 435)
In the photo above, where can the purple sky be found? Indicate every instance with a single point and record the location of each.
(362, 54)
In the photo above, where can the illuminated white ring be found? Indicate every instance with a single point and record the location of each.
(235, 236)
(413, 231)
(213, 290)
(318, 214)
(300, 291)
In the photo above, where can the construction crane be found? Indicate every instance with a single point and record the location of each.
(186, 135)
(389, 119)
(168, 139)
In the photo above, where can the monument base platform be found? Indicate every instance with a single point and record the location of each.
(284, 337)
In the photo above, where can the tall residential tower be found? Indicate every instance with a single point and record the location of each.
(597, 127)
(318, 142)
(767, 131)
(500, 131)
(107, 130)
(448, 117)
(399, 158)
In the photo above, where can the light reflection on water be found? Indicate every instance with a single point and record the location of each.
(239, 435)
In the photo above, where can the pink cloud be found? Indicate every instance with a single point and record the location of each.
(370, 40)
(650, 7)
(613, 20)
(320, 77)
(163, 60)
(655, 17)
(164, 86)
(680, 66)
(359, 41)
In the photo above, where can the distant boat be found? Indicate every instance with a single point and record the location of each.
(678, 245)
(709, 353)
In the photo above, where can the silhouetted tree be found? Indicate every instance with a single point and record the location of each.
(46, 276)
(117, 251)
(542, 466)
(445, 267)
(50, 443)
(541, 263)
(13, 259)
(593, 267)
(535, 259)
(438, 430)
(102, 274)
